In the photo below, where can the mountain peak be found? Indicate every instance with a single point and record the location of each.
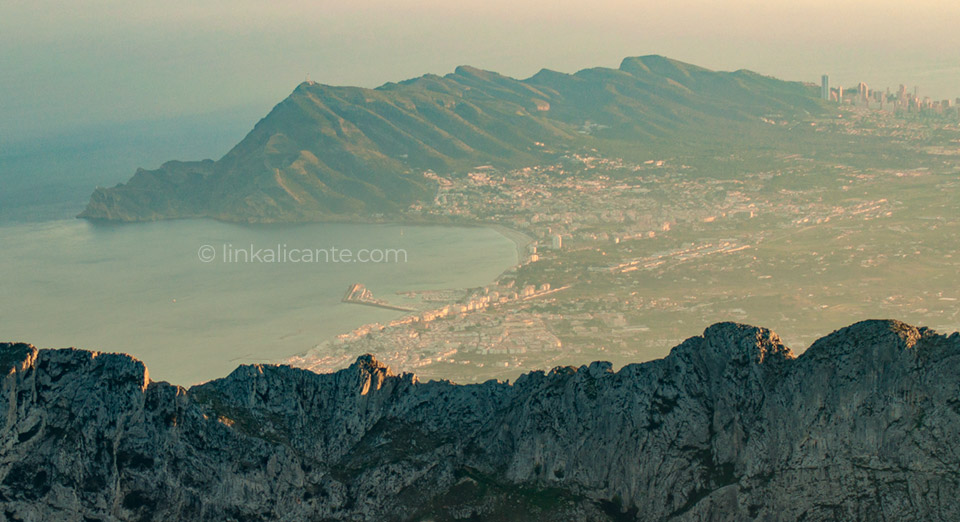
(662, 67)
(469, 71)
(372, 374)
(15, 357)
(878, 339)
(335, 153)
(368, 362)
(724, 343)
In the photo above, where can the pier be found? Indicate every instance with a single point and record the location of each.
(359, 294)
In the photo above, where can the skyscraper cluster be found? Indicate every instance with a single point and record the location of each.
(902, 101)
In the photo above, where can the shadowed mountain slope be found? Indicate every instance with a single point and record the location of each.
(329, 152)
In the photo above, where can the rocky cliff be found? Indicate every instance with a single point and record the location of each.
(729, 426)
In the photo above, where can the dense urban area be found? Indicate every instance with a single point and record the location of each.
(620, 260)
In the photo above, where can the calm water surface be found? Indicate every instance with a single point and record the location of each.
(142, 289)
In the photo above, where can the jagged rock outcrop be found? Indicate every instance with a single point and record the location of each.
(729, 426)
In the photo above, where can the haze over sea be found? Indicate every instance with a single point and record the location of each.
(142, 289)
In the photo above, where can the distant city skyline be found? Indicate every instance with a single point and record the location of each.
(105, 61)
(884, 99)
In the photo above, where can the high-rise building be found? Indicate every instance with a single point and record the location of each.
(863, 93)
(824, 87)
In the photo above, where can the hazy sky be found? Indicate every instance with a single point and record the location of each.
(67, 65)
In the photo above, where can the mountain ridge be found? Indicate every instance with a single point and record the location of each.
(730, 425)
(333, 152)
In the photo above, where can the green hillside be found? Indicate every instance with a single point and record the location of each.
(329, 152)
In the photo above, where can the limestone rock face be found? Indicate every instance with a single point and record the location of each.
(729, 426)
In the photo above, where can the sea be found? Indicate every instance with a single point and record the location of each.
(193, 299)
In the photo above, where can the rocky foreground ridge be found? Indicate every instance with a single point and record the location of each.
(729, 426)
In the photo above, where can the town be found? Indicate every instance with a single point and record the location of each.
(620, 260)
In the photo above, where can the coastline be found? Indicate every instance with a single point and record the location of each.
(321, 348)
(307, 295)
(520, 240)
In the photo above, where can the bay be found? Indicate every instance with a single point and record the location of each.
(147, 289)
